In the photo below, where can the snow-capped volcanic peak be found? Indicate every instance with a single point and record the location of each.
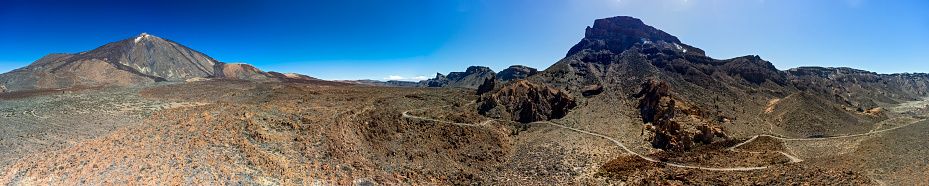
(143, 35)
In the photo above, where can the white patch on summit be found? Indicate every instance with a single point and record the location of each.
(679, 47)
(138, 38)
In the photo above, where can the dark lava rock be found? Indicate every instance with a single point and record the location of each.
(487, 86)
(471, 78)
(617, 34)
(516, 72)
(523, 101)
(676, 122)
(439, 81)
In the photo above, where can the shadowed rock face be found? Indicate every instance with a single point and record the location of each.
(675, 122)
(487, 86)
(516, 72)
(523, 101)
(617, 34)
(471, 78)
(137, 60)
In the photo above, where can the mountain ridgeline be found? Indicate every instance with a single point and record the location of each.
(621, 54)
(629, 104)
(473, 77)
(132, 61)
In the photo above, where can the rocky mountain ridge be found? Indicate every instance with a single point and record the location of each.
(473, 77)
(618, 54)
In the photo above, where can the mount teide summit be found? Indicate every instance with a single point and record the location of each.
(137, 60)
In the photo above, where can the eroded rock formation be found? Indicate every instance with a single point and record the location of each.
(675, 122)
(523, 101)
(487, 86)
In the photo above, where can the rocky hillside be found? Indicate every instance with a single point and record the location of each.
(523, 101)
(620, 53)
(137, 60)
(516, 72)
(473, 77)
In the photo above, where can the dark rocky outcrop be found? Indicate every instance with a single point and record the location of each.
(439, 81)
(620, 53)
(471, 78)
(675, 122)
(487, 86)
(516, 72)
(523, 101)
(617, 34)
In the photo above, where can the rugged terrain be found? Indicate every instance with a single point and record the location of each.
(473, 77)
(629, 104)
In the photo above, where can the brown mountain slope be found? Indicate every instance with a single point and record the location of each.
(803, 115)
(620, 53)
(133, 61)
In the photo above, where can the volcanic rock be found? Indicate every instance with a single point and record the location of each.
(439, 81)
(617, 34)
(676, 122)
(523, 101)
(137, 60)
(471, 78)
(487, 86)
(516, 72)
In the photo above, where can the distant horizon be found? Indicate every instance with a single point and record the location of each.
(409, 41)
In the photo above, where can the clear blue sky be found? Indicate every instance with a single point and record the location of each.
(348, 39)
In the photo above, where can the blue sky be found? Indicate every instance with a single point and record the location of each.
(349, 39)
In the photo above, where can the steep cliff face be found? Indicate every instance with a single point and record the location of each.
(675, 123)
(619, 54)
(859, 88)
(471, 78)
(617, 34)
(523, 101)
(137, 60)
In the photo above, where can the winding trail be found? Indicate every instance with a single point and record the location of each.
(845, 136)
(792, 158)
